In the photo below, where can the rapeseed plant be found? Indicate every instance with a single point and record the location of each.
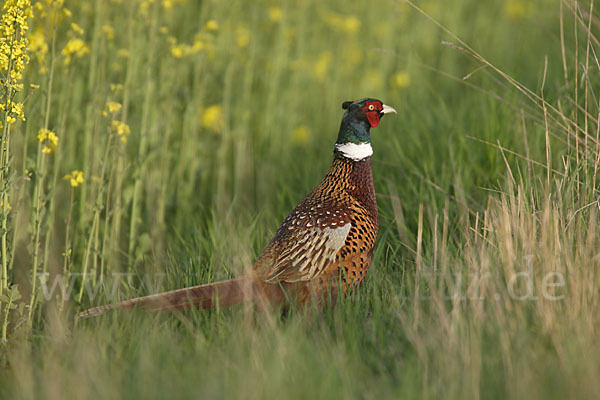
(13, 58)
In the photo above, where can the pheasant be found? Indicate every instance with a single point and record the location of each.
(325, 243)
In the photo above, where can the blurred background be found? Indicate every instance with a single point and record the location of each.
(172, 137)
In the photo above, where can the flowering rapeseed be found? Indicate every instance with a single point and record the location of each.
(275, 14)
(345, 24)
(242, 36)
(111, 108)
(77, 29)
(301, 134)
(212, 118)
(39, 47)
(75, 178)
(15, 111)
(75, 47)
(517, 9)
(13, 43)
(108, 31)
(49, 139)
(211, 26)
(121, 129)
(400, 79)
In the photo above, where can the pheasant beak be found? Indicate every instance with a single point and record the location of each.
(387, 110)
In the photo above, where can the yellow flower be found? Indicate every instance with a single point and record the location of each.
(213, 118)
(400, 79)
(116, 87)
(108, 31)
(16, 109)
(275, 14)
(242, 36)
(13, 42)
(49, 139)
(123, 53)
(211, 25)
(351, 24)
(111, 108)
(198, 43)
(184, 50)
(121, 129)
(177, 51)
(164, 30)
(8, 206)
(516, 9)
(144, 6)
(75, 47)
(75, 178)
(301, 134)
(67, 12)
(77, 29)
(346, 24)
(322, 65)
(39, 47)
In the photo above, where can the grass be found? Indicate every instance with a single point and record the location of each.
(484, 280)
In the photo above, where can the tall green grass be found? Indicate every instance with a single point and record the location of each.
(486, 183)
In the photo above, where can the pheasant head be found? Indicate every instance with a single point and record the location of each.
(354, 138)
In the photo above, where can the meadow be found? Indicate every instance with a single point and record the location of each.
(151, 145)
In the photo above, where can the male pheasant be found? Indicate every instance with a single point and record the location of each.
(326, 242)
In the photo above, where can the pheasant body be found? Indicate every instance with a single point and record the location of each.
(327, 239)
(334, 227)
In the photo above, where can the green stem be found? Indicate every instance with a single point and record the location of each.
(5, 175)
(97, 210)
(46, 125)
(37, 222)
(4, 200)
(5, 322)
(142, 150)
(67, 253)
(107, 218)
(120, 174)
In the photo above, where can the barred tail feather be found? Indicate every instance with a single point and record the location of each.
(221, 294)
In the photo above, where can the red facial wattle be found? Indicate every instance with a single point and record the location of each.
(373, 117)
(372, 110)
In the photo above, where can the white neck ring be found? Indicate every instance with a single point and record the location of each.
(355, 152)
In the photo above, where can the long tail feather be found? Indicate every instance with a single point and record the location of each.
(222, 294)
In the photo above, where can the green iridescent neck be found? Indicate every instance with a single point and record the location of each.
(353, 131)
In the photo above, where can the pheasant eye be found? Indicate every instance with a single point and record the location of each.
(371, 107)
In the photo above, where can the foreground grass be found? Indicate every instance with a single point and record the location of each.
(226, 139)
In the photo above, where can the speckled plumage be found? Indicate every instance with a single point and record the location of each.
(342, 210)
(325, 242)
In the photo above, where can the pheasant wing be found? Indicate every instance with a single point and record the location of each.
(305, 253)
